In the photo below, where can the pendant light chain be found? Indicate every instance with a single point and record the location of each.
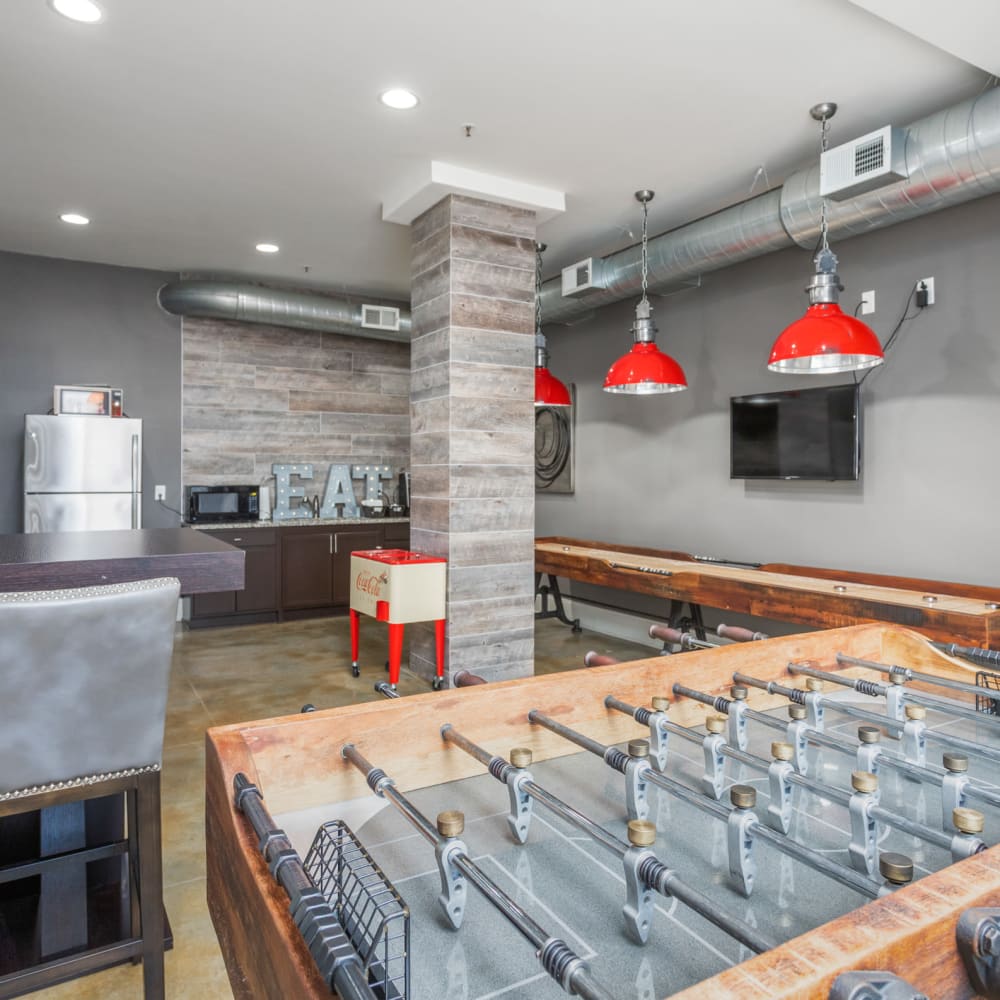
(645, 252)
(823, 224)
(539, 249)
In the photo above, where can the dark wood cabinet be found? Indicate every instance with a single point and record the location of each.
(306, 569)
(345, 542)
(293, 571)
(259, 596)
(397, 535)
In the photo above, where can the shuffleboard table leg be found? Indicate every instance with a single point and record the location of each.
(551, 589)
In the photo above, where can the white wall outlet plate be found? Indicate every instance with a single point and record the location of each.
(867, 303)
(159, 492)
(929, 282)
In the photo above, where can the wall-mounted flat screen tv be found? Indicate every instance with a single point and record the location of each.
(799, 434)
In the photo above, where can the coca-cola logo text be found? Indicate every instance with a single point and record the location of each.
(369, 583)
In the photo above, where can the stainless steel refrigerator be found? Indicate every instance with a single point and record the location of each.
(82, 473)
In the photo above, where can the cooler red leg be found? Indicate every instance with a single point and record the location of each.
(395, 652)
(355, 627)
(439, 646)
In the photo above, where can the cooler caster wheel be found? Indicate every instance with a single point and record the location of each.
(307, 707)
(437, 683)
(355, 670)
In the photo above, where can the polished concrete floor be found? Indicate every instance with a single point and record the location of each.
(236, 675)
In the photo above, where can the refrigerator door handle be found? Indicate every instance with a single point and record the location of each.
(135, 480)
(33, 461)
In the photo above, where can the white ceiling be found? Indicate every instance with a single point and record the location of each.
(190, 130)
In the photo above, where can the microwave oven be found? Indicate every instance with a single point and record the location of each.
(218, 504)
(92, 400)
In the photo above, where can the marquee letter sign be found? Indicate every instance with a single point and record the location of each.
(284, 491)
(339, 493)
(371, 475)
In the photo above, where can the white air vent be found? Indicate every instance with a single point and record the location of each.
(380, 317)
(873, 161)
(582, 277)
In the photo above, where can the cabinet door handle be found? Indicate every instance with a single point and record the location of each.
(237, 539)
(333, 545)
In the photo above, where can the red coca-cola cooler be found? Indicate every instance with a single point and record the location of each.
(397, 586)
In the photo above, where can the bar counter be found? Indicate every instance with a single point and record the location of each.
(67, 559)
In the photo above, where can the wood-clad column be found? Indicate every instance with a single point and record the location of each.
(472, 430)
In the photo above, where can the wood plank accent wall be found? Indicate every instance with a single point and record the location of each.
(472, 421)
(256, 394)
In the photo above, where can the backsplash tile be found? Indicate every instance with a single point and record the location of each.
(255, 395)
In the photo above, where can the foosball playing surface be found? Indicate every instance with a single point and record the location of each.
(576, 888)
(873, 847)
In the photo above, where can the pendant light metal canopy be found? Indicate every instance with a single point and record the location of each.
(645, 369)
(549, 391)
(825, 340)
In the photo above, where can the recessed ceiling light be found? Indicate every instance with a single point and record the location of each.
(267, 248)
(75, 219)
(78, 10)
(401, 100)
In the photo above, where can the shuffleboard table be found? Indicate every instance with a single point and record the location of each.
(820, 598)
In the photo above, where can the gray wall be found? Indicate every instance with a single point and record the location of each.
(655, 470)
(62, 322)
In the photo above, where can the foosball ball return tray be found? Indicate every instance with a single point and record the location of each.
(814, 826)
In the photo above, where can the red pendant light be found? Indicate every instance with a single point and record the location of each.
(549, 391)
(645, 369)
(825, 340)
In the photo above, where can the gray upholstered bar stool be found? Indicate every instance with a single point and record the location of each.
(83, 697)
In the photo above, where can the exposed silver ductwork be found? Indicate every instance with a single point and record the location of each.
(277, 307)
(952, 156)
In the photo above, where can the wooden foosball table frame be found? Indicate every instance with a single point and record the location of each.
(297, 764)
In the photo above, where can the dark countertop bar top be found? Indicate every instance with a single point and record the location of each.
(59, 560)
(301, 522)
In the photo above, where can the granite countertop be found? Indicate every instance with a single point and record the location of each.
(299, 522)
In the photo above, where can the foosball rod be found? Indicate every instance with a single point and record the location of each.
(557, 958)
(956, 785)
(387, 690)
(701, 904)
(869, 736)
(773, 834)
(735, 709)
(714, 745)
(914, 714)
(916, 675)
(960, 846)
(328, 943)
(897, 694)
(687, 640)
(981, 657)
(643, 870)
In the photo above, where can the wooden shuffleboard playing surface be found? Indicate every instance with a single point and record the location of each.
(949, 612)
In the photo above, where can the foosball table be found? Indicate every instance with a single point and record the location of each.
(750, 821)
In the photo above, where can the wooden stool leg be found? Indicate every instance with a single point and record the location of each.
(150, 883)
(395, 652)
(355, 629)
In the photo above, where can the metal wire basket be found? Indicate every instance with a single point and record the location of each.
(984, 679)
(373, 914)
